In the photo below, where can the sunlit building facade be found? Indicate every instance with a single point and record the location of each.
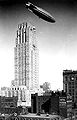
(26, 66)
(26, 57)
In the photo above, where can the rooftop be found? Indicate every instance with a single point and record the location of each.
(39, 116)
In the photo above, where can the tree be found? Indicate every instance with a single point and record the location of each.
(46, 86)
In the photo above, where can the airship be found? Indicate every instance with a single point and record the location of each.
(40, 12)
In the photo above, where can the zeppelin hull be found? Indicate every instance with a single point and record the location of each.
(44, 16)
(40, 13)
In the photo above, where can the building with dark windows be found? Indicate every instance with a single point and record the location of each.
(52, 103)
(8, 105)
(70, 87)
(70, 83)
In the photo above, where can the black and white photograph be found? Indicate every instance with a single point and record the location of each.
(38, 60)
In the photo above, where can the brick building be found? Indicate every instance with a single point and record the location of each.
(8, 104)
(70, 83)
(54, 103)
(70, 87)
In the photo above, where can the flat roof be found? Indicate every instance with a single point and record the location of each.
(39, 116)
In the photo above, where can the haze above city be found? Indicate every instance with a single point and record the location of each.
(57, 42)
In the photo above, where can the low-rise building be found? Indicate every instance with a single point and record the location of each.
(53, 103)
(8, 104)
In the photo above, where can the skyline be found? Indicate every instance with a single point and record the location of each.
(56, 42)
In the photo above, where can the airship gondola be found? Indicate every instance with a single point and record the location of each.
(40, 12)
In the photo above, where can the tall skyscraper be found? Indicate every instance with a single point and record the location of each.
(26, 57)
(26, 66)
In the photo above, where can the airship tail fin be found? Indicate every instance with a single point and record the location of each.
(30, 4)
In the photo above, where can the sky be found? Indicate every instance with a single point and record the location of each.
(57, 42)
